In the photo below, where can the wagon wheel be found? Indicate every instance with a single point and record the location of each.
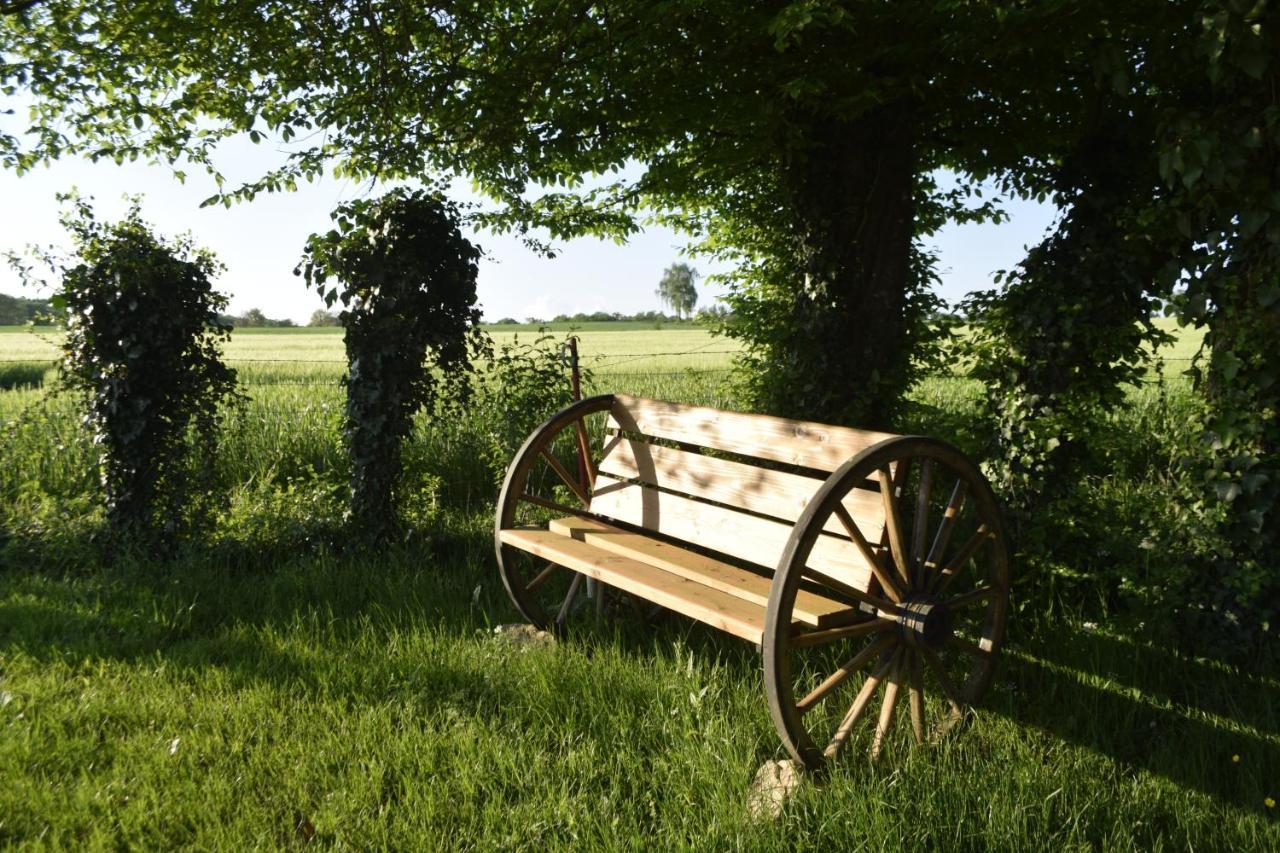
(929, 626)
(550, 477)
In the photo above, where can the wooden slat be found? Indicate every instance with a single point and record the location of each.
(811, 445)
(697, 601)
(747, 537)
(810, 609)
(776, 493)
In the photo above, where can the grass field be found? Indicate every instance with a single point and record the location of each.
(270, 679)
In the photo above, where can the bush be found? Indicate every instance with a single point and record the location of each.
(142, 348)
(524, 385)
(407, 281)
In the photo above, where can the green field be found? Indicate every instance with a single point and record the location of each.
(271, 678)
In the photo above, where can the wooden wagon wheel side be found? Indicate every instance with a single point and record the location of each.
(552, 460)
(930, 627)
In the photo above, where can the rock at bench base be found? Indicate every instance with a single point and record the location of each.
(775, 783)
(524, 636)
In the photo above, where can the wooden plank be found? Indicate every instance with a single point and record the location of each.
(810, 609)
(776, 493)
(811, 445)
(747, 537)
(718, 609)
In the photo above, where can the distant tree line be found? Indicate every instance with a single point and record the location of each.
(715, 312)
(254, 318)
(16, 311)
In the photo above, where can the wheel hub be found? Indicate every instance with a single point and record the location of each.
(924, 622)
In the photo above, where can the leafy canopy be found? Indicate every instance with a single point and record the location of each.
(531, 98)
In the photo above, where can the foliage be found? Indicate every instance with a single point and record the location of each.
(142, 347)
(406, 278)
(1219, 154)
(523, 385)
(808, 122)
(1072, 326)
(1185, 221)
(798, 343)
(321, 317)
(16, 311)
(254, 318)
(677, 290)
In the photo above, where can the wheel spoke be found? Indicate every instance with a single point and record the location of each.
(888, 581)
(584, 452)
(893, 523)
(541, 577)
(887, 706)
(835, 679)
(969, 648)
(974, 596)
(855, 710)
(948, 524)
(566, 477)
(568, 599)
(852, 592)
(831, 635)
(944, 680)
(948, 575)
(916, 698)
(552, 505)
(920, 525)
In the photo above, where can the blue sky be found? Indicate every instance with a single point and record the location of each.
(260, 242)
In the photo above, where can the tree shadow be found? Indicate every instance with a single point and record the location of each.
(1148, 709)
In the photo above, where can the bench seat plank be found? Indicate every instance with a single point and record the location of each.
(718, 609)
(810, 609)
(775, 493)
(747, 537)
(810, 445)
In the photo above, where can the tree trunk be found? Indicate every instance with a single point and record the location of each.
(851, 199)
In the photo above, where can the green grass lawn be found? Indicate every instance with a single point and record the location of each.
(220, 703)
(267, 678)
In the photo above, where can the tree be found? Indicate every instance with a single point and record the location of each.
(797, 139)
(677, 291)
(252, 319)
(321, 317)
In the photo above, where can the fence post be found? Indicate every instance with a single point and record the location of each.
(595, 589)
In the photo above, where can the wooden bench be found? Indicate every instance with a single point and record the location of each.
(838, 551)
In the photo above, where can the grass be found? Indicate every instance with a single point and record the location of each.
(269, 679)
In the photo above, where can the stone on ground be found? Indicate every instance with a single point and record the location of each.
(775, 783)
(524, 636)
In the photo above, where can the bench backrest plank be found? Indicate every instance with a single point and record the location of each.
(779, 494)
(748, 537)
(792, 442)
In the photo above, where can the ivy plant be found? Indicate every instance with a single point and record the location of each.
(406, 279)
(143, 350)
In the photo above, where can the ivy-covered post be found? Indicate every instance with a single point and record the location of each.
(1072, 326)
(143, 347)
(406, 278)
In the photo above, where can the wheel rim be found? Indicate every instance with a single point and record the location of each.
(551, 476)
(929, 628)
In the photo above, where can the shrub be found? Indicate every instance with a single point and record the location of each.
(407, 282)
(142, 348)
(524, 385)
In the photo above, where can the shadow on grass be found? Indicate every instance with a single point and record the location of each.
(1148, 709)
(1145, 708)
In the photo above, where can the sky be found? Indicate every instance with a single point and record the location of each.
(260, 242)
